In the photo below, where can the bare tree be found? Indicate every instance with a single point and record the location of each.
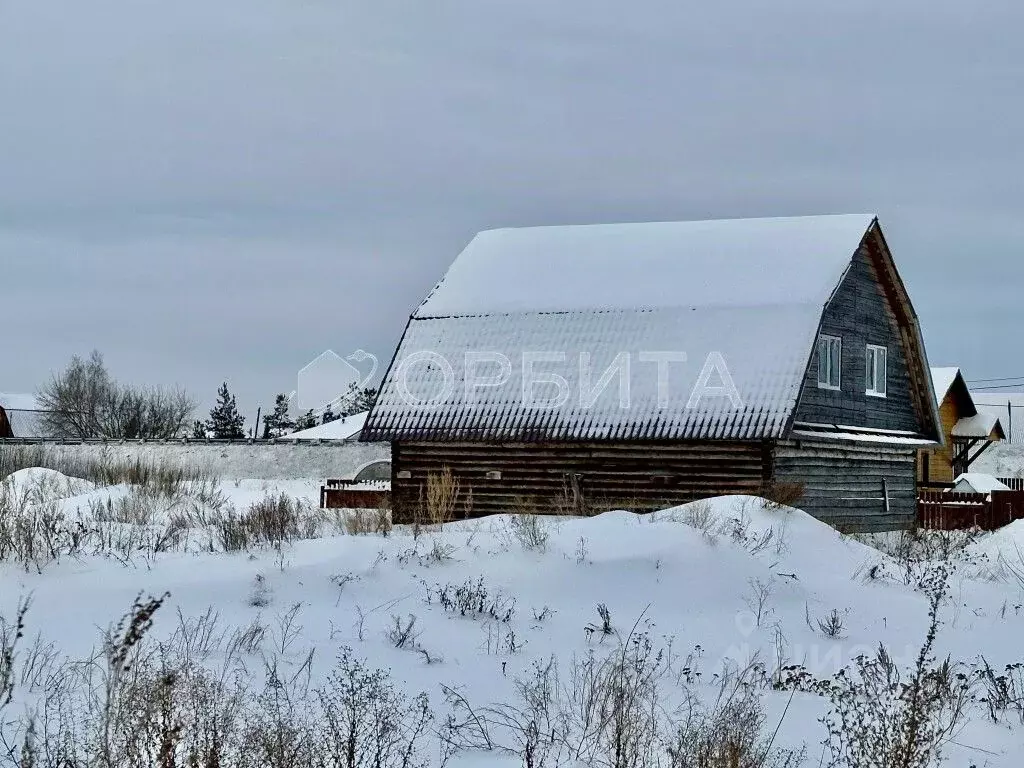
(84, 401)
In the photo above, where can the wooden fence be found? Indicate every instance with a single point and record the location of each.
(949, 510)
(1014, 483)
(346, 494)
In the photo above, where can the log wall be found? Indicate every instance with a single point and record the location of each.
(572, 478)
(852, 486)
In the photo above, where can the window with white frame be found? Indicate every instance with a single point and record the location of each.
(876, 365)
(830, 362)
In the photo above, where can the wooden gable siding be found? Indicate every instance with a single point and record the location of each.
(860, 314)
(852, 486)
(563, 478)
(5, 425)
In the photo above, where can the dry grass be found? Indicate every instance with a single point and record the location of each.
(165, 478)
(357, 522)
(196, 700)
(442, 497)
(777, 495)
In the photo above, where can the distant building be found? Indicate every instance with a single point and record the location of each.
(344, 428)
(967, 431)
(20, 417)
(546, 372)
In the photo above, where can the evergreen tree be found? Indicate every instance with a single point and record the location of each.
(328, 416)
(198, 430)
(225, 420)
(356, 400)
(306, 420)
(278, 423)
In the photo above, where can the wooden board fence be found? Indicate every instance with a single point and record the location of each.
(949, 510)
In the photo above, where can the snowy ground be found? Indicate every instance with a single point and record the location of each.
(720, 584)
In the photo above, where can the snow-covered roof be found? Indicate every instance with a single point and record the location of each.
(574, 309)
(979, 425)
(979, 482)
(339, 429)
(722, 263)
(18, 402)
(942, 380)
(23, 415)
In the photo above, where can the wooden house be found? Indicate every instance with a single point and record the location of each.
(967, 432)
(638, 366)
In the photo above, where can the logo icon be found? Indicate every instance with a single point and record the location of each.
(329, 378)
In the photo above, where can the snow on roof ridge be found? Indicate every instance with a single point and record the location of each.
(777, 261)
(942, 379)
(683, 221)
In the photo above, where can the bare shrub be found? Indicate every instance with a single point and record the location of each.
(758, 599)
(881, 716)
(84, 401)
(701, 516)
(1001, 692)
(730, 732)
(259, 595)
(367, 521)
(366, 721)
(531, 531)
(831, 626)
(442, 497)
(603, 627)
(34, 534)
(402, 634)
(917, 551)
(10, 636)
(276, 519)
(139, 703)
(606, 711)
(475, 600)
(272, 521)
(777, 495)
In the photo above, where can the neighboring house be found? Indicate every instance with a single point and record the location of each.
(638, 366)
(967, 432)
(345, 428)
(20, 417)
(978, 482)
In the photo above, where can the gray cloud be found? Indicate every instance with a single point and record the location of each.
(210, 190)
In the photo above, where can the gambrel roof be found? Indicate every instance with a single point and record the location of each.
(571, 308)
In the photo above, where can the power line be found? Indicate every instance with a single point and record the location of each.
(1002, 386)
(1004, 378)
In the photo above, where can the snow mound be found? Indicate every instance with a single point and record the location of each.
(37, 485)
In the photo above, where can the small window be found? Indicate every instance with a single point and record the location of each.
(876, 365)
(830, 357)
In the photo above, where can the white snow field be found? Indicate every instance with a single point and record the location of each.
(710, 588)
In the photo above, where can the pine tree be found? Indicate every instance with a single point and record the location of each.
(328, 416)
(198, 430)
(225, 420)
(306, 420)
(356, 400)
(278, 423)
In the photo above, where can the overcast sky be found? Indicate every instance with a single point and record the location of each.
(222, 189)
